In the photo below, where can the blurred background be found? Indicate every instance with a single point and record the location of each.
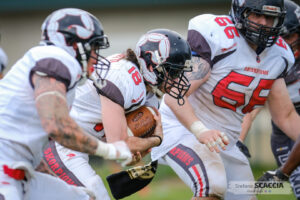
(124, 22)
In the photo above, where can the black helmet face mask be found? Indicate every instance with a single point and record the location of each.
(173, 80)
(164, 57)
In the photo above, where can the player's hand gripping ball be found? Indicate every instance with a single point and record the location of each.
(141, 122)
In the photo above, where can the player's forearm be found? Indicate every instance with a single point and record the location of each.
(185, 113)
(290, 125)
(63, 129)
(142, 144)
(69, 134)
(246, 125)
(293, 160)
(52, 107)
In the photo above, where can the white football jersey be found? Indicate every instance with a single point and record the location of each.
(20, 122)
(124, 86)
(240, 80)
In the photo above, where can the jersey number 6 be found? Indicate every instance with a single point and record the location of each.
(222, 91)
(230, 31)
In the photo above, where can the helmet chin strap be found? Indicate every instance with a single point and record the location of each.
(157, 91)
(83, 61)
(98, 82)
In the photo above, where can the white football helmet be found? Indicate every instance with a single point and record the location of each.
(67, 26)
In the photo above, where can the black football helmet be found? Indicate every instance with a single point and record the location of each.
(67, 26)
(291, 24)
(260, 35)
(170, 56)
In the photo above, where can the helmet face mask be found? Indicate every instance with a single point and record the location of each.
(260, 35)
(69, 26)
(164, 56)
(174, 80)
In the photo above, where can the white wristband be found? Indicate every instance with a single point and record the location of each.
(197, 128)
(106, 150)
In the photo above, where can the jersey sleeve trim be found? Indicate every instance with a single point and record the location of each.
(220, 57)
(293, 73)
(199, 45)
(284, 73)
(112, 92)
(52, 68)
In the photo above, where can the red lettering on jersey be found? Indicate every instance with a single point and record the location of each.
(226, 49)
(182, 155)
(230, 31)
(138, 99)
(71, 155)
(136, 76)
(256, 70)
(222, 92)
(55, 167)
(264, 84)
(222, 21)
(280, 42)
(98, 127)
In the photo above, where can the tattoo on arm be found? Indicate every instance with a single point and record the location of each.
(200, 69)
(54, 115)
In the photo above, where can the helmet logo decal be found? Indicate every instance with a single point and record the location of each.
(82, 24)
(152, 48)
(154, 42)
(271, 9)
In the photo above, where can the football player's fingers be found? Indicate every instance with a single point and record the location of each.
(156, 111)
(209, 146)
(135, 159)
(220, 143)
(215, 146)
(224, 138)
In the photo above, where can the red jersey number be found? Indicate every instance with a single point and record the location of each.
(281, 43)
(222, 92)
(230, 31)
(135, 74)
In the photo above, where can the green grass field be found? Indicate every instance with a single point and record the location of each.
(167, 186)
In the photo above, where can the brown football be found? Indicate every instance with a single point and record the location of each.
(141, 122)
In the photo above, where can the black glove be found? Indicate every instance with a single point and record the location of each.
(125, 183)
(276, 175)
(243, 148)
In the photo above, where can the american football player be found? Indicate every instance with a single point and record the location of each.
(281, 144)
(35, 98)
(135, 78)
(240, 64)
(3, 62)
